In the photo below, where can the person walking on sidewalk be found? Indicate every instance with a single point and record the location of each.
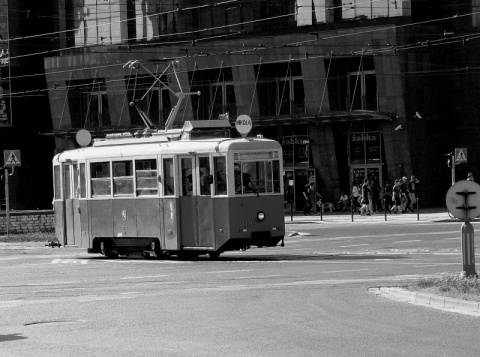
(397, 197)
(411, 191)
(306, 200)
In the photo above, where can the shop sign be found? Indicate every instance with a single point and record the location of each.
(362, 137)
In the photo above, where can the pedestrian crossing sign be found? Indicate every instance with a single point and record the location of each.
(460, 155)
(11, 158)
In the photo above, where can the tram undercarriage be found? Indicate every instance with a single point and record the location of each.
(150, 247)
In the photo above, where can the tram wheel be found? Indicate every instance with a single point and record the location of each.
(214, 255)
(110, 254)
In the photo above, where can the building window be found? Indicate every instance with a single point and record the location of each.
(352, 84)
(280, 89)
(88, 104)
(217, 93)
(156, 104)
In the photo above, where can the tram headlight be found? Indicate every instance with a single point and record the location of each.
(260, 216)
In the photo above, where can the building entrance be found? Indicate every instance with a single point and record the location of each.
(295, 181)
(372, 172)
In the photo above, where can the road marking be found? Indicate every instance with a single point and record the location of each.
(345, 271)
(407, 241)
(353, 245)
(143, 277)
(256, 277)
(298, 239)
(55, 283)
(227, 271)
(70, 261)
(433, 265)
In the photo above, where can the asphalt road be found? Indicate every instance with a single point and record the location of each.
(309, 298)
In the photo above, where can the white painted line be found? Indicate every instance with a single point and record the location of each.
(256, 277)
(143, 277)
(407, 241)
(345, 271)
(54, 283)
(353, 245)
(227, 271)
(434, 265)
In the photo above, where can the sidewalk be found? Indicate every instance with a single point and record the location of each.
(425, 215)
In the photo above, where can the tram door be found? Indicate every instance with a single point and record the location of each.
(196, 216)
(72, 204)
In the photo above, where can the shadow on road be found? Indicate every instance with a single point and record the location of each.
(12, 337)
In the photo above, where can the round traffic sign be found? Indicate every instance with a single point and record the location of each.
(243, 124)
(83, 137)
(461, 193)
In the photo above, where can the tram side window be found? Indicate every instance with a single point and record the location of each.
(67, 182)
(220, 180)
(205, 177)
(58, 182)
(83, 181)
(100, 179)
(146, 176)
(168, 177)
(123, 178)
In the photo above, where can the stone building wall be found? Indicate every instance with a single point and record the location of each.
(28, 222)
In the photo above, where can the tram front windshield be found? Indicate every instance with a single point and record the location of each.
(257, 172)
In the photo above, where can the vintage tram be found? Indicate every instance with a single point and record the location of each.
(183, 192)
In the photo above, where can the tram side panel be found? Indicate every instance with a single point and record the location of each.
(221, 222)
(124, 218)
(171, 224)
(149, 222)
(101, 219)
(60, 229)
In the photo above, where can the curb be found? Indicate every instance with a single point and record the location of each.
(445, 303)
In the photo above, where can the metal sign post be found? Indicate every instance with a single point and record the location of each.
(463, 202)
(11, 158)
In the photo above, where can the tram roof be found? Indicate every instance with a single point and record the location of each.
(147, 147)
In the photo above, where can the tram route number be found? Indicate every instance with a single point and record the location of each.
(247, 122)
(248, 224)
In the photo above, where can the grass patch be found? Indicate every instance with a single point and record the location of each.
(455, 285)
(27, 237)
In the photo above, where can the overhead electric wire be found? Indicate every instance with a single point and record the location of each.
(297, 44)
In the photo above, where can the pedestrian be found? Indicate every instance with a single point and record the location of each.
(387, 194)
(342, 202)
(366, 198)
(356, 195)
(396, 198)
(306, 200)
(314, 198)
(411, 191)
(375, 190)
(404, 193)
(470, 177)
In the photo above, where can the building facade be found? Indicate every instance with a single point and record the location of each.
(351, 89)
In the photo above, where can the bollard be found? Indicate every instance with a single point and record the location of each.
(385, 208)
(352, 206)
(468, 250)
(418, 211)
(291, 211)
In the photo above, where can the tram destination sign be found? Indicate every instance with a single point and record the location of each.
(11, 158)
